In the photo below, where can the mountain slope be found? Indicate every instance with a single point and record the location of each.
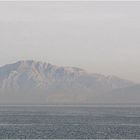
(128, 95)
(31, 81)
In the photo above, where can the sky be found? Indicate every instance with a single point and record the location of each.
(100, 37)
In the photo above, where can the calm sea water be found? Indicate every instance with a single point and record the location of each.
(50, 122)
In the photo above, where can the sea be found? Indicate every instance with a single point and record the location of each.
(69, 122)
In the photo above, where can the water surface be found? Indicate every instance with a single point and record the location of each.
(68, 122)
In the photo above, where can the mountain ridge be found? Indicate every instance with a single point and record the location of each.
(29, 78)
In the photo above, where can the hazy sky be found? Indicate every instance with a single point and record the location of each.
(101, 37)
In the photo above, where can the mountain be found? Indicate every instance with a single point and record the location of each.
(38, 82)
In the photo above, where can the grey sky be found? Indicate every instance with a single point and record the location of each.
(101, 37)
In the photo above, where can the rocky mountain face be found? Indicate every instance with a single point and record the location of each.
(38, 82)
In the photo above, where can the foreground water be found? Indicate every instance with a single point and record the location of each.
(69, 122)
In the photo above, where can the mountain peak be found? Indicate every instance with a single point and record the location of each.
(29, 62)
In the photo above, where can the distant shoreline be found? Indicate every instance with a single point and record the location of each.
(70, 105)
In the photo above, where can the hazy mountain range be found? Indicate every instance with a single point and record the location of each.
(44, 83)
